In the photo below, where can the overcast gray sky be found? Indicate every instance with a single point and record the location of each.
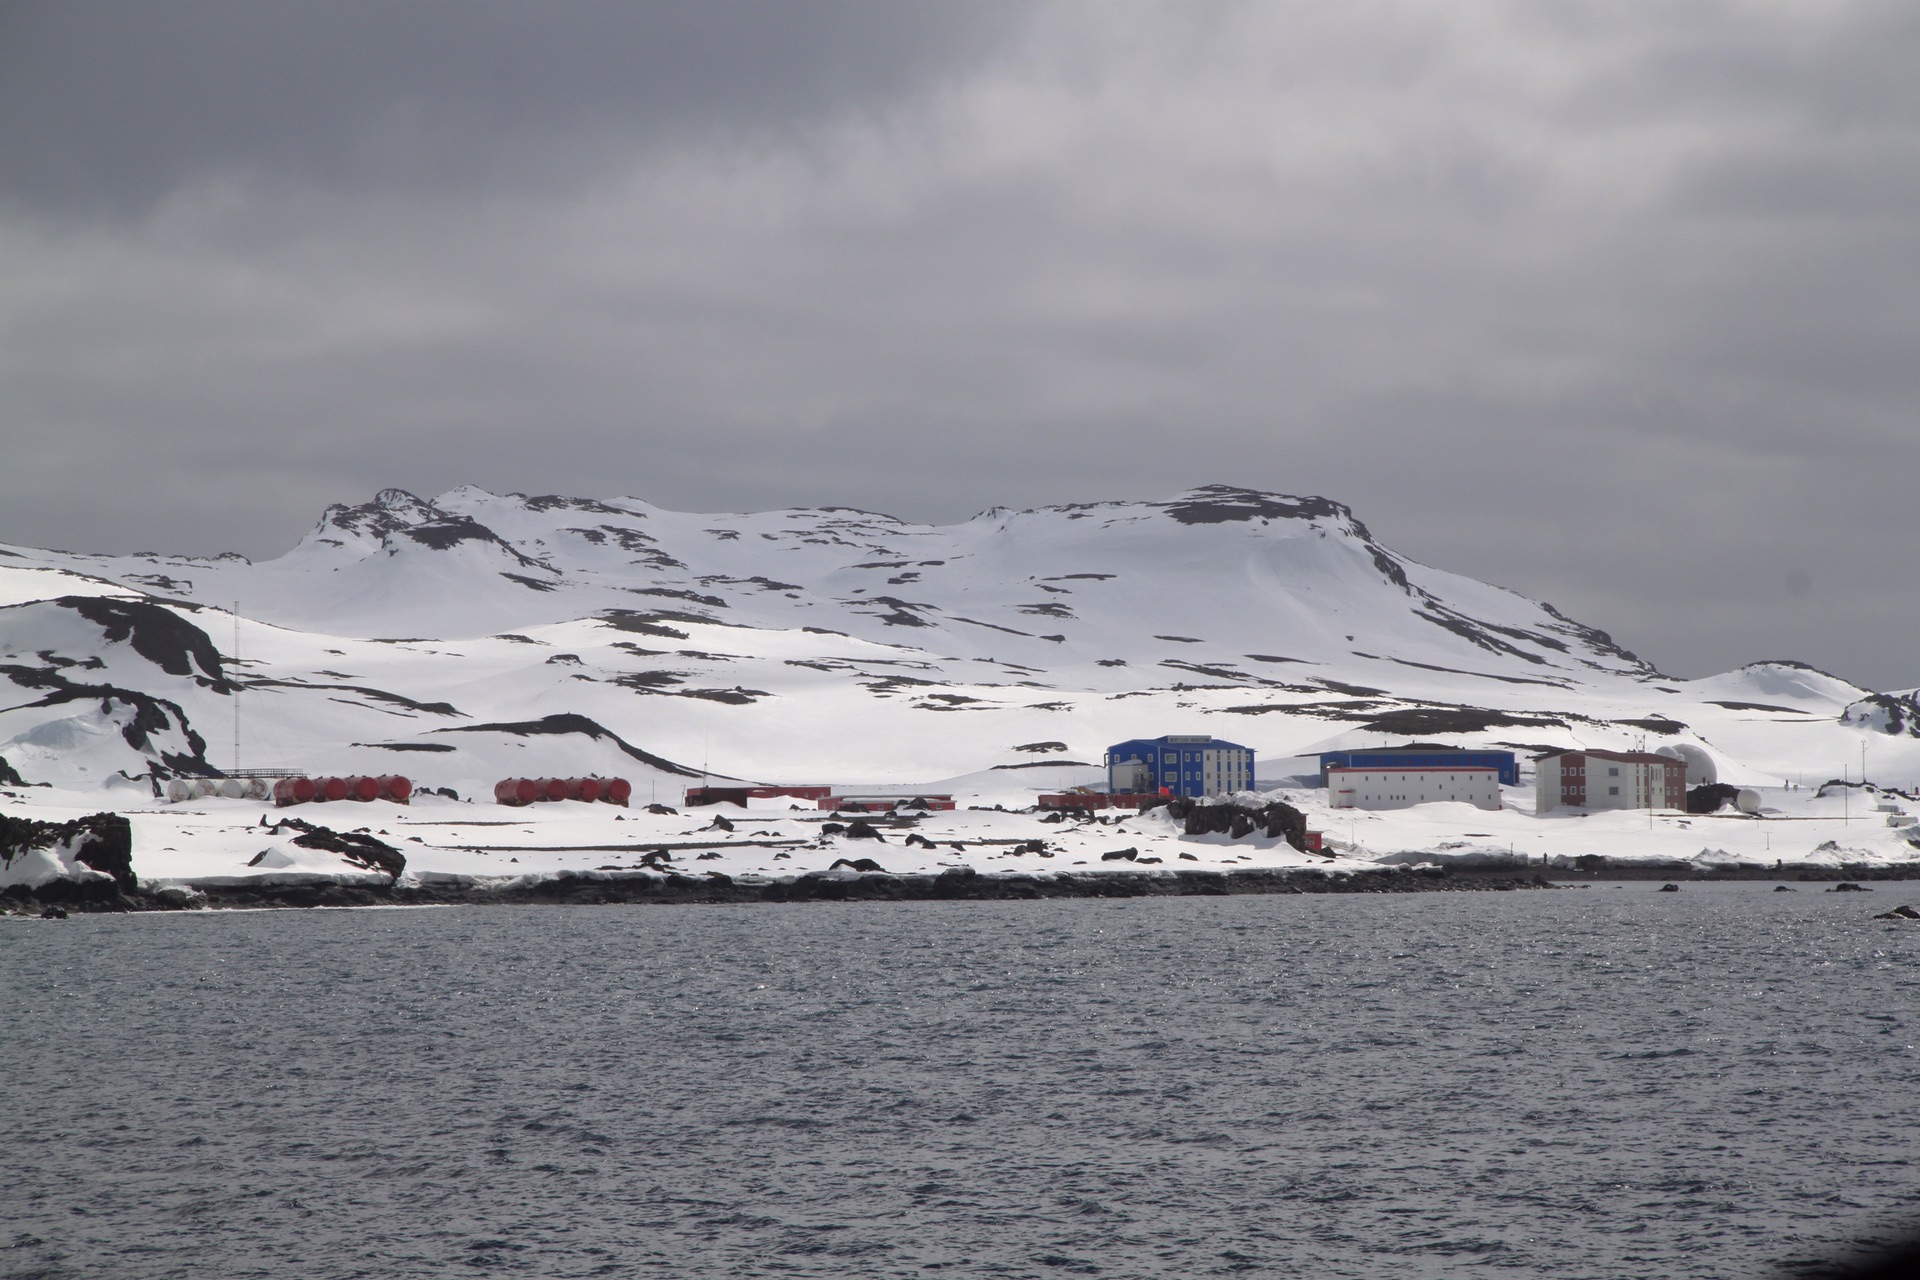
(1612, 304)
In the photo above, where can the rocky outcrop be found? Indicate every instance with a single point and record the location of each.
(1711, 797)
(1275, 820)
(101, 842)
(364, 851)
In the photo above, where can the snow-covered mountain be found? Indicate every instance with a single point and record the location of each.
(477, 635)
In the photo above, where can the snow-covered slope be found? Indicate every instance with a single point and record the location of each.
(479, 635)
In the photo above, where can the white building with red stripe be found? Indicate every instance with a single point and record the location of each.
(1609, 780)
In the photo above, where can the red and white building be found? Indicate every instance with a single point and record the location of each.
(1363, 788)
(1609, 780)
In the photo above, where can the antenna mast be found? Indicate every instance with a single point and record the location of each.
(234, 679)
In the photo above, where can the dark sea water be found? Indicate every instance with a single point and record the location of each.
(1595, 1082)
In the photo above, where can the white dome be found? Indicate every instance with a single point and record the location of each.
(1700, 766)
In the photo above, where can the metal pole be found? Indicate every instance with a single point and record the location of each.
(234, 679)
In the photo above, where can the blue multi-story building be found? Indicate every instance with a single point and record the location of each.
(1184, 764)
(1411, 757)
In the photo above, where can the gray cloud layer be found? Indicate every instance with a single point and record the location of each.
(1614, 305)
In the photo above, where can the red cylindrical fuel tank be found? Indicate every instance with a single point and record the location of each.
(515, 791)
(587, 789)
(288, 791)
(329, 789)
(362, 788)
(552, 788)
(396, 787)
(617, 791)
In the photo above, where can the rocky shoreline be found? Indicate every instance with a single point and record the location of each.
(614, 888)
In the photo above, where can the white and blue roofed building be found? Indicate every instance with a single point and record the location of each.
(1422, 756)
(1184, 764)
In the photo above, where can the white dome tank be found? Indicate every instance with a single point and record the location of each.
(1700, 766)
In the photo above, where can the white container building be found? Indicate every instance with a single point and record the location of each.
(1363, 788)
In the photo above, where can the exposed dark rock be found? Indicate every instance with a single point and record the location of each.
(1897, 713)
(861, 829)
(1121, 855)
(378, 695)
(151, 715)
(368, 852)
(1902, 912)
(555, 501)
(691, 597)
(1669, 888)
(8, 777)
(1847, 886)
(1277, 819)
(1048, 764)
(54, 913)
(105, 843)
(572, 722)
(832, 828)
(157, 634)
(1041, 747)
(858, 864)
(719, 823)
(915, 838)
(534, 583)
(1781, 888)
(663, 809)
(449, 531)
(641, 624)
(1223, 503)
(1411, 721)
(1711, 797)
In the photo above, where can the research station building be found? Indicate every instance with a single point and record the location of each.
(1184, 764)
(1609, 780)
(1368, 787)
(1413, 755)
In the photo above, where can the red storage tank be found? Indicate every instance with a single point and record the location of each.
(327, 789)
(515, 791)
(396, 787)
(587, 789)
(551, 789)
(288, 791)
(363, 789)
(616, 791)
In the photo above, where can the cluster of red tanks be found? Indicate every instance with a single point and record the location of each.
(523, 791)
(361, 787)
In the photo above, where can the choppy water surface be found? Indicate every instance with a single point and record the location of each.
(1594, 1082)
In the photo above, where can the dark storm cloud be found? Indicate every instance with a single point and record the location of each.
(110, 106)
(1612, 305)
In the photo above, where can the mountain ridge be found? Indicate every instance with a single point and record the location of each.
(853, 643)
